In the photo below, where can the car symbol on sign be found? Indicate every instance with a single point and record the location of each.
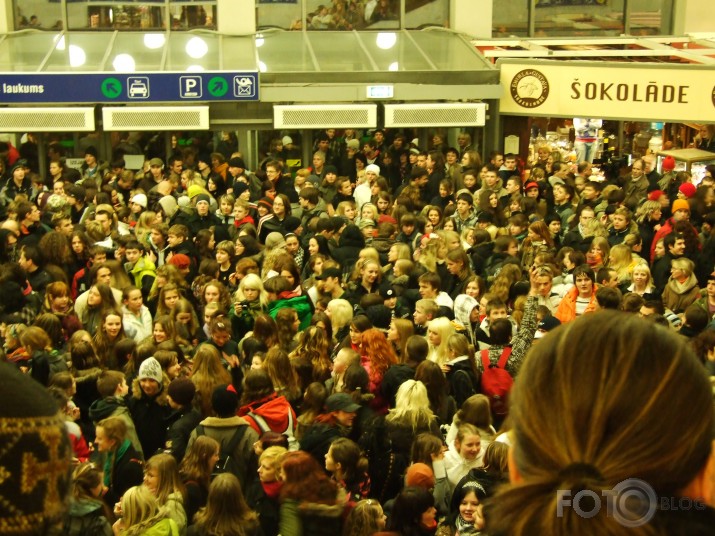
(138, 89)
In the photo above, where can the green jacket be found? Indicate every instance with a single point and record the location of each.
(300, 304)
(165, 527)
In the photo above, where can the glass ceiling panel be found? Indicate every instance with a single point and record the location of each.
(448, 52)
(239, 53)
(79, 52)
(197, 52)
(284, 52)
(25, 52)
(339, 51)
(144, 50)
(394, 51)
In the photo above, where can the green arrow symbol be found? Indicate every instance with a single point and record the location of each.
(111, 88)
(218, 86)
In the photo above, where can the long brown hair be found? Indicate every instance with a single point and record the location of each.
(207, 374)
(196, 465)
(589, 419)
(226, 512)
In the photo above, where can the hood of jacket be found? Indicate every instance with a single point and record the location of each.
(684, 287)
(352, 237)
(104, 407)
(463, 307)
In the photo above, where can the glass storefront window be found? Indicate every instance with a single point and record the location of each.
(420, 13)
(651, 17)
(510, 18)
(348, 15)
(38, 15)
(578, 18)
(115, 15)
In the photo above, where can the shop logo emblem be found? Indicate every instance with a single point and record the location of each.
(529, 88)
(714, 96)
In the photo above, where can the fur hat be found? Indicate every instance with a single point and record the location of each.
(374, 168)
(182, 391)
(150, 369)
(36, 457)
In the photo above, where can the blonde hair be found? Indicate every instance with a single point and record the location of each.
(445, 328)
(252, 281)
(412, 406)
(140, 511)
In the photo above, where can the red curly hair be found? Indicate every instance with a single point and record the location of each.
(379, 351)
(305, 480)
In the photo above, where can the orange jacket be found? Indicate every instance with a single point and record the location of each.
(566, 312)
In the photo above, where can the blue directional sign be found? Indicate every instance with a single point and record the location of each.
(82, 88)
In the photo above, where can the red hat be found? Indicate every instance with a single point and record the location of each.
(420, 475)
(655, 195)
(386, 218)
(668, 163)
(530, 185)
(180, 260)
(687, 189)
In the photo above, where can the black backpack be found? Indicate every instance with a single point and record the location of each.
(226, 463)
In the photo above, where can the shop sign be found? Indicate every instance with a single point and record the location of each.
(612, 91)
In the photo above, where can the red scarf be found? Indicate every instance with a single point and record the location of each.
(272, 489)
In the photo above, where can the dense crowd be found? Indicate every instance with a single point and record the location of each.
(327, 350)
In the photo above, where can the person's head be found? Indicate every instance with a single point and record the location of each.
(304, 478)
(110, 433)
(161, 476)
(226, 506)
(584, 279)
(268, 463)
(674, 244)
(636, 420)
(681, 268)
(413, 511)
(367, 517)
(139, 505)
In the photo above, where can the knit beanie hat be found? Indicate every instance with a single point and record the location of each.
(687, 189)
(182, 391)
(373, 168)
(203, 198)
(36, 457)
(150, 369)
(680, 204)
(224, 400)
(140, 199)
(668, 163)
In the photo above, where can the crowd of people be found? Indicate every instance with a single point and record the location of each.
(361, 346)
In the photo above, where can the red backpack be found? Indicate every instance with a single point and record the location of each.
(497, 382)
